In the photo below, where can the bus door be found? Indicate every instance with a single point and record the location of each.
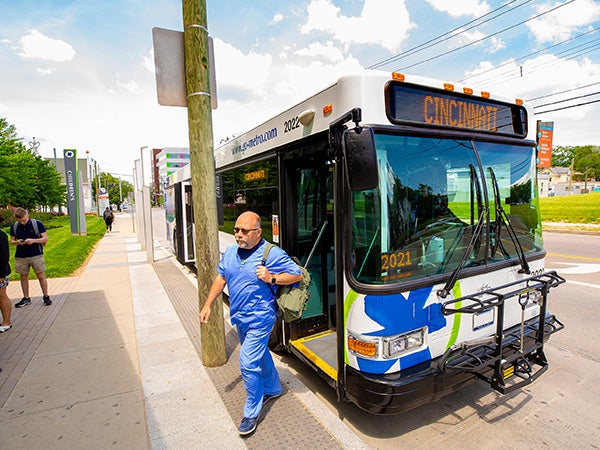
(309, 236)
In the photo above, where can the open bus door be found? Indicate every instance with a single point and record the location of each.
(308, 235)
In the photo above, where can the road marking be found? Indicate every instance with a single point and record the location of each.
(563, 255)
(581, 283)
(579, 269)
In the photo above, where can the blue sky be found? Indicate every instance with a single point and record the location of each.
(80, 74)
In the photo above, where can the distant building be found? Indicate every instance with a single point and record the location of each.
(165, 162)
(558, 181)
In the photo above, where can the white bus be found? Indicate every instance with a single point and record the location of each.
(414, 206)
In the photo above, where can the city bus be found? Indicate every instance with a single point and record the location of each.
(413, 204)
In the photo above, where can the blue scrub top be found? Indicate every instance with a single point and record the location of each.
(249, 296)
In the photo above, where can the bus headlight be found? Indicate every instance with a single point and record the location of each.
(375, 347)
(402, 343)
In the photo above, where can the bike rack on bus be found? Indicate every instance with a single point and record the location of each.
(498, 358)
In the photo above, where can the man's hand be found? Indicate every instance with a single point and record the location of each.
(263, 274)
(204, 314)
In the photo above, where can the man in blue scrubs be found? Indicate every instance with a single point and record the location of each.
(253, 309)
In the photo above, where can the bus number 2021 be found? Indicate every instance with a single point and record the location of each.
(395, 260)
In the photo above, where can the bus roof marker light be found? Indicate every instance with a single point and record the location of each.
(327, 109)
(468, 91)
(448, 86)
(397, 76)
(485, 94)
(306, 117)
(519, 101)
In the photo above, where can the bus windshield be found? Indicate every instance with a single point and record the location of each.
(443, 203)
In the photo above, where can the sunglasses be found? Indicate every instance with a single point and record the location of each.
(243, 230)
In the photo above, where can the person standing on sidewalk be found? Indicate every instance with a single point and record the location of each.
(253, 309)
(109, 218)
(30, 238)
(5, 304)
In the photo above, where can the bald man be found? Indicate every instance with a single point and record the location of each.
(253, 309)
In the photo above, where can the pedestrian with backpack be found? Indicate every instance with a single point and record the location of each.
(109, 218)
(30, 237)
(252, 309)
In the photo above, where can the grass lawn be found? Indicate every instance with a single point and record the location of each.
(580, 208)
(64, 253)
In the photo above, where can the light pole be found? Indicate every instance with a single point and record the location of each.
(33, 146)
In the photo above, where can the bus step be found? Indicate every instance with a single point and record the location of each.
(522, 372)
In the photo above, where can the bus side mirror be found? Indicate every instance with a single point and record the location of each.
(360, 158)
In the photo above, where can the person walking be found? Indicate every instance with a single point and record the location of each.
(109, 218)
(253, 309)
(5, 304)
(30, 238)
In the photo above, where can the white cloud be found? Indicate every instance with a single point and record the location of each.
(457, 8)
(248, 73)
(382, 22)
(130, 86)
(563, 22)
(496, 45)
(35, 45)
(48, 71)
(148, 61)
(276, 19)
(325, 51)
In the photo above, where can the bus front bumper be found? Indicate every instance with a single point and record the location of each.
(515, 365)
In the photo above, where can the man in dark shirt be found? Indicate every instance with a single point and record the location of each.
(29, 254)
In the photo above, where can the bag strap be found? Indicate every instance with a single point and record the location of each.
(35, 228)
(266, 253)
(268, 248)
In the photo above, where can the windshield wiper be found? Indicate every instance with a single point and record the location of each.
(501, 215)
(475, 238)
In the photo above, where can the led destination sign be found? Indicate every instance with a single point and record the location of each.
(417, 105)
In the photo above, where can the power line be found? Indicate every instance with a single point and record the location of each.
(450, 34)
(563, 92)
(487, 37)
(534, 68)
(567, 100)
(567, 107)
(523, 57)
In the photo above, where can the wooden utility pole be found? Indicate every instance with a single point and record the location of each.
(203, 175)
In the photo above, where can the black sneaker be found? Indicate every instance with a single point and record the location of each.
(24, 302)
(268, 397)
(47, 300)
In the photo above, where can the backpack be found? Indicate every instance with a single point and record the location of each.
(34, 223)
(291, 299)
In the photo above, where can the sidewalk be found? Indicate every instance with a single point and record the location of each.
(114, 363)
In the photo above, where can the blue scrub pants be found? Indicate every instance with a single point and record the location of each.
(256, 364)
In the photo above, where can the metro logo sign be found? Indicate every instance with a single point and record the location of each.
(545, 131)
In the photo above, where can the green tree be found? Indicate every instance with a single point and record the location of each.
(111, 184)
(26, 179)
(587, 162)
(562, 155)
